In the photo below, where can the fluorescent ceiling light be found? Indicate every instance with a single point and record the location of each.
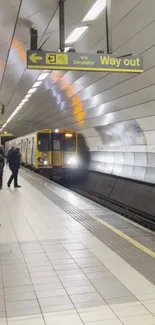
(28, 96)
(43, 76)
(95, 10)
(75, 35)
(24, 100)
(37, 84)
(67, 49)
(32, 90)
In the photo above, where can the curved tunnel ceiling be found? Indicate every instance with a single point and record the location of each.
(98, 105)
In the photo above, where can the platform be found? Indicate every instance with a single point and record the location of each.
(66, 260)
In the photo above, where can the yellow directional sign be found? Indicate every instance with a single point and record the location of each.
(83, 62)
(5, 134)
(56, 58)
(34, 58)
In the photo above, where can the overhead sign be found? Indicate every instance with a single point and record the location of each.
(83, 62)
(5, 134)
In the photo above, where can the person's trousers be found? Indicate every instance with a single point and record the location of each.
(14, 176)
(1, 178)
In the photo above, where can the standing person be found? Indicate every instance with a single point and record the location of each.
(13, 158)
(1, 166)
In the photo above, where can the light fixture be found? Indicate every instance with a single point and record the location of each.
(32, 90)
(95, 10)
(24, 100)
(76, 34)
(68, 135)
(66, 49)
(56, 131)
(43, 76)
(28, 96)
(37, 84)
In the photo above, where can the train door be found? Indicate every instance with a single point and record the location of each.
(32, 152)
(57, 160)
(26, 151)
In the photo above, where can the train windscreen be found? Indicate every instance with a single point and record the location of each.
(69, 143)
(44, 142)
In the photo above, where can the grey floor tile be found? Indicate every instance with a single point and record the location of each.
(96, 275)
(23, 312)
(76, 284)
(15, 271)
(73, 277)
(24, 304)
(43, 274)
(15, 277)
(122, 300)
(58, 256)
(94, 269)
(40, 269)
(2, 314)
(44, 280)
(94, 296)
(76, 246)
(48, 286)
(66, 266)
(87, 262)
(13, 262)
(17, 283)
(52, 301)
(35, 258)
(2, 304)
(62, 261)
(16, 290)
(90, 304)
(81, 253)
(69, 272)
(80, 290)
(38, 263)
(57, 308)
(51, 293)
(20, 296)
(1, 292)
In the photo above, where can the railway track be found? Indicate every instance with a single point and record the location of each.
(145, 220)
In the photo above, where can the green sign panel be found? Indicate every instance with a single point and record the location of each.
(83, 62)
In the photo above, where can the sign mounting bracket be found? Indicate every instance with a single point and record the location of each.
(62, 25)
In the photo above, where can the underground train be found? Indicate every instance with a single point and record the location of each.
(50, 152)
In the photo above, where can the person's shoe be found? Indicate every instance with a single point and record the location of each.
(17, 186)
(8, 185)
(0, 187)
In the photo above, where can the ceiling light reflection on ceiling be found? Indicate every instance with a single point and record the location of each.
(32, 90)
(37, 84)
(95, 10)
(43, 76)
(76, 34)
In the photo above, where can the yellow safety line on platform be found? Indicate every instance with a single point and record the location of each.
(126, 237)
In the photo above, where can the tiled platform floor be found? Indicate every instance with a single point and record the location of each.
(54, 271)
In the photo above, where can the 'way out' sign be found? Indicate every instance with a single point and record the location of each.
(83, 62)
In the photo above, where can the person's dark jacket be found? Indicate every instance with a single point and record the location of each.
(13, 158)
(2, 160)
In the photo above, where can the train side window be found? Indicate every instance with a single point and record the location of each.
(56, 144)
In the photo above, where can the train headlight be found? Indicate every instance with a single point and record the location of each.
(45, 162)
(72, 161)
